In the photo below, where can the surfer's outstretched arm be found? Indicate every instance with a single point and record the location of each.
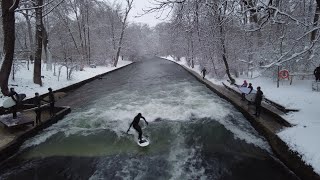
(129, 127)
(145, 120)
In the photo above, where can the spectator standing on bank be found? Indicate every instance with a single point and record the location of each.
(14, 95)
(245, 84)
(37, 103)
(258, 100)
(51, 101)
(316, 73)
(203, 71)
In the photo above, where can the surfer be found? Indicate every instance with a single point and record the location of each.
(316, 73)
(135, 124)
(203, 71)
(14, 95)
(258, 100)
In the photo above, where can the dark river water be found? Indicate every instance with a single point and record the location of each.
(193, 133)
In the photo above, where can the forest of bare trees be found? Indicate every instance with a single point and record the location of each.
(228, 37)
(240, 36)
(71, 33)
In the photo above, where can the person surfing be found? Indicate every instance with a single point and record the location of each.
(136, 126)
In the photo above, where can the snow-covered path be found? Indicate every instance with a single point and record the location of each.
(23, 82)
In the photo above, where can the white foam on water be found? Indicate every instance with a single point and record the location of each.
(40, 138)
(180, 155)
(176, 102)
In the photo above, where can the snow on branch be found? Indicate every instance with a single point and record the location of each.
(293, 56)
(244, 61)
(160, 5)
(53, 8)
(37, 7)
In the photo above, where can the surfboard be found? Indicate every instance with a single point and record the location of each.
(35, 108)
(145, 143)
(136, 139)
(9, 102)
(57, 96)
(246, 90)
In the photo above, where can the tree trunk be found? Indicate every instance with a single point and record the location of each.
(45, 41)
(31, 45)
(224, 52)
(37, 61)
(88, 34)
(315, 24)
(123, 28)
(70, 32)
(119, 48)
(8, 26)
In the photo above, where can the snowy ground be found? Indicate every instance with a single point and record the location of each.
(23, 82)
(304, 136)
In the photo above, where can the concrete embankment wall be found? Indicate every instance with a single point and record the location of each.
(291, 159)
(13, 147)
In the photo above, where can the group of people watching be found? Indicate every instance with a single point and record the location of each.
(258, 97)
(37, 103)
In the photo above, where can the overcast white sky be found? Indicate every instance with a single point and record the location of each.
(138, 7)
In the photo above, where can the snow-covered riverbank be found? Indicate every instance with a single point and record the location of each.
(23, 82)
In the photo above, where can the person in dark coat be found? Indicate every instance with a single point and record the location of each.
(135, 124)
(51, 101)
(251, 88)
(203, 71)
(14, 96)
(37, 103)
(316, 73)
(258, 100)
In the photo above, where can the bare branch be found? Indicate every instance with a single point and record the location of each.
(14, 6)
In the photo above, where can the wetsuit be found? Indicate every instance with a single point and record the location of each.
(135, 124)
(37, 103)
(51, 100)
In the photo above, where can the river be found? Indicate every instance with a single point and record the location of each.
(194, 134)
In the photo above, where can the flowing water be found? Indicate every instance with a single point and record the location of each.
(194, 134)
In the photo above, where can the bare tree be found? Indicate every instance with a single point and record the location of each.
(8, 26)
(123, 28)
